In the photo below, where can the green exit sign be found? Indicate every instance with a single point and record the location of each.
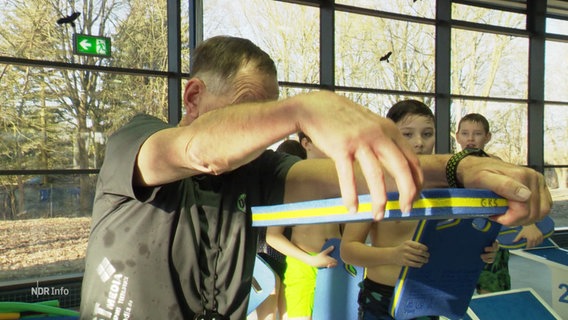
(91, 45)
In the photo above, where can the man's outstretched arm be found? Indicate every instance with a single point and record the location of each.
(525, 189)
(226, 138)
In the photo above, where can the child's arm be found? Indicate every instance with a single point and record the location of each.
(355, 251)
(276, 239)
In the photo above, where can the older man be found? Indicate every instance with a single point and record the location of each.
(171, 234)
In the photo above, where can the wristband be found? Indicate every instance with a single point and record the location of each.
(452, 165)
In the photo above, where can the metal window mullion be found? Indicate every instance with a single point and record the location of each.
(327, 45)
(174, 61)
(442, 75)
(195, 23)
(536, 25)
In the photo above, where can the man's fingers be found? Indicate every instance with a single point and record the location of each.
(544, 204)
(347, 184)
(529, 200)
(402, 164)
(379, 149)
(517, 214)
(392, 155)
(374, 176)
(413, 163)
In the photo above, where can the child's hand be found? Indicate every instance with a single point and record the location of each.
(533, 235)
(490, 253)
(323, 260)
(411, 253)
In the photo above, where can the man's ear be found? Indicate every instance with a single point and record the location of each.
(194, 89)
(304, 142)
(488, 137)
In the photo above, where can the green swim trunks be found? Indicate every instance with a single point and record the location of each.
(300, 286)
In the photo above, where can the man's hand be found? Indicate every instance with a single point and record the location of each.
(350, 134)
(524, 188)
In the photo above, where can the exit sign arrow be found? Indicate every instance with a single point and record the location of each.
(91, 45)
(85, 45)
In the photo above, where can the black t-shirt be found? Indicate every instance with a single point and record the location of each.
(169, 251)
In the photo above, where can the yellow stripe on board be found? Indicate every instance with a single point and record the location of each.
(399, 287)
(417, 235)
(391, 205)
(451, 202)
(419, 230)
(301, 213)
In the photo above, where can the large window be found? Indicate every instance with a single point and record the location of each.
(423, 8)
(489, 76)
(289, 33)
(381, 53)
(489, 65)
(57, 111)
(488, 16)
(555, 117)
(138, 31)
(58, 108)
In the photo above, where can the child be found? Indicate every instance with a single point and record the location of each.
(274, 307)
(391, 247)
(303, 256)
(473, 132)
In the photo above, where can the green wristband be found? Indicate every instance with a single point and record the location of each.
(452, 165)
